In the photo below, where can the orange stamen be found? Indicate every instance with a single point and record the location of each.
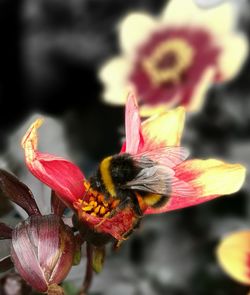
(97, 209)
(95, 204)
(102, 210)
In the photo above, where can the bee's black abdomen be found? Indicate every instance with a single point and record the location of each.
(122, 169)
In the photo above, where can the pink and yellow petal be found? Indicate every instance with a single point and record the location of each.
(201, 181)
(235, 50)
(163, 130)
(59, 174)
(134, 30)
(179, 12)
(178, 202)
(233, 254)
(147, 110)
(211, 177)
(114, 75)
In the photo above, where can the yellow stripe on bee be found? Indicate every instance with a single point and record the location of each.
(152, 199)
(106, 177)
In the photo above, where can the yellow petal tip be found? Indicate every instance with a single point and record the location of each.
(31, 133)
(181, 109)
(240, 176)
(37, 124)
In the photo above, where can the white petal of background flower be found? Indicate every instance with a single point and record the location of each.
(235, 52)
(212, 3)
(187, 12)
(114, 74)
(208, 3)
(134, 30)
(200, 91)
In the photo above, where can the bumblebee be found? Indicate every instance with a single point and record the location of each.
(148, 175)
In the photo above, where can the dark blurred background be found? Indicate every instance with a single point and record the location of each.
(50, 53)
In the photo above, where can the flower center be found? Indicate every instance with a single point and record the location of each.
(95, 204)
(168, 61)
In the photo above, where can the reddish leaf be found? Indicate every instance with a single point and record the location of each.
(18, 192)
(57, 206)
(5, 231)
(6, 264)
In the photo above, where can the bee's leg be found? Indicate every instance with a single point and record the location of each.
(136, 206)
(130, 200)
(120, 207)
(136, 226)
(106, 197)
(126, 236)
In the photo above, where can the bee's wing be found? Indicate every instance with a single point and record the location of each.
(161, 180)
(182, 189)
(166, 156)
(157, 175)
(155, 179)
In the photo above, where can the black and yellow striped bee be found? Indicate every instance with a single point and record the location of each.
(148, 175)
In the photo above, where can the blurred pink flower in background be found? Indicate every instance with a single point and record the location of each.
(174, 59)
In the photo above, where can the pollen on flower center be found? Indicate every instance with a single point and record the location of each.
(95, 204)
(168, 61)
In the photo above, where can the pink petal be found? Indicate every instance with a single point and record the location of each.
(178, 202)
(120, 224)
(59, 174)
(133, 126)
(117, 226)
(6, 264)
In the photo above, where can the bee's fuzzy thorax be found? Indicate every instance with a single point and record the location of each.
(114, 172)
(123, 169)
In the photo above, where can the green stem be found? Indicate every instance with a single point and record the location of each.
(89, 271)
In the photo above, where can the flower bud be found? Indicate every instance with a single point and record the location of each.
(98, 257)
(42, 250)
